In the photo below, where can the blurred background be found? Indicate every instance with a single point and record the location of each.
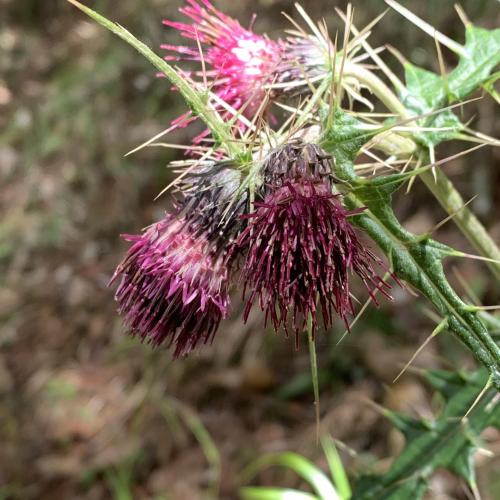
(87, 412)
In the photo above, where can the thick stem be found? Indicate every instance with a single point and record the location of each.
(441, 187)
(407, 260)
(453, 203)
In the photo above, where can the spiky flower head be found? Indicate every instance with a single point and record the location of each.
(239, 62)
(241, 67)
(174, 278)
(301, 247)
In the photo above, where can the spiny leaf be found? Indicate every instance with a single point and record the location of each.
(429, 92)
(425, 92)
(483, 54)
(349, 138)
(424, 89)
(410, 427)
(446, 382)
(448, 442)
(414, 259)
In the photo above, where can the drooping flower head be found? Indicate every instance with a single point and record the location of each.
(301, 247)
(174, 278)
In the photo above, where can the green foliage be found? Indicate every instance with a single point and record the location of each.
(422, 95)
(429, 94)
(250, 493)
(482, 49)
(448, 442)
(120, 483)
(324, 488)
(336, 468)
(414, 259)
(426, 91)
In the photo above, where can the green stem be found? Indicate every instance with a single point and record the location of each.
(314, 372)
(441, 187)
(196, 100)
(453, 203)
(406, 259)
(378, 87)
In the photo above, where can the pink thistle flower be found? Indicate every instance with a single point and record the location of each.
(301, 247)
(243, 66)
(241, 62)
(175, 276)
(172, 287)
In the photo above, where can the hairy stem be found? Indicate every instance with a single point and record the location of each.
(405, 257)
(441, 187)
(453, 203)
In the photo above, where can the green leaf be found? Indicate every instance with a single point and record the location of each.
(446, 382)
(425, 92)
(412, 488)
(428, 92)
(260, 493)
(336, 467)
(489, 86)
(349, 136)
(317, 479)
(424, 89)
(414, 259)
(408, 426)
(483, 55)
(449, 442)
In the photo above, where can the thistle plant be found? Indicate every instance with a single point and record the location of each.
(282, 205)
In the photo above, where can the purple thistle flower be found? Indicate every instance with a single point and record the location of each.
(301, 247)
(175, 276)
